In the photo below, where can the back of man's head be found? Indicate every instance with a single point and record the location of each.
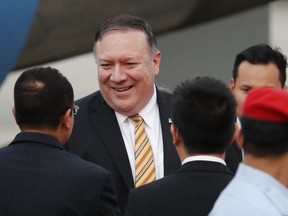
(41, 98)
(262, 54)
(265, 122)
(203, 111)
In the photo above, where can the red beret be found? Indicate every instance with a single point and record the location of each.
(268, 104)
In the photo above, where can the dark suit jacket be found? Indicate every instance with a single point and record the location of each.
(97, 137)
(192, 190)
(38, 177)
(233, 156)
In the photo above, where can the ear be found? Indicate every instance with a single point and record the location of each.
(66, 120)
(175, 135)
(232, 85)
(14, 114)
(239, 138)
(156, 61)
(234, 134)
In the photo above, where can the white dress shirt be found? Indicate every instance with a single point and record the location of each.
(239, 127)
(150, 114)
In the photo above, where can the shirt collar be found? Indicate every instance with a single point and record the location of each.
(203, 158)
(238, 122)
(147, 113)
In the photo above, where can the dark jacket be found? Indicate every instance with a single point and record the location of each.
(192, 190)
(97, 137)
(38, 177)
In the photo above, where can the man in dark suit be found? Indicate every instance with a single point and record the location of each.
(256, 66)
(38, 177)
(203, 113)
(128, 60)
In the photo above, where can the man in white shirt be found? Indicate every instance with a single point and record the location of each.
(261, 181)
(128, 62)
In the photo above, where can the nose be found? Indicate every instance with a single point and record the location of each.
(118, 74)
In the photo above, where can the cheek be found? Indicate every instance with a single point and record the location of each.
(240, 98)
(103, 77)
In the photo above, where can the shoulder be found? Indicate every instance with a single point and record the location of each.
(89, 98)
(144, 199)
(93, 102)
(164, 97)
(155, 187)
(79, 165)
(229, 205)
(163, 92)
(144, 193)
(234, 199)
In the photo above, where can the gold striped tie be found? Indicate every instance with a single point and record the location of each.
(145, 167)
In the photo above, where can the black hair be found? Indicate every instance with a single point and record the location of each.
(127, 22)
(262, 54)
(41, 97)
(203, 110)
(264, 138)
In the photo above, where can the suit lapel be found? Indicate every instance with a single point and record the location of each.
(171, 159)
(106, 125)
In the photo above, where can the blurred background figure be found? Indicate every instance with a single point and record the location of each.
(261, 182)
(257, 66)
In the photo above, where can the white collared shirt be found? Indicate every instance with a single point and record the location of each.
(204, 158)
(150, 114)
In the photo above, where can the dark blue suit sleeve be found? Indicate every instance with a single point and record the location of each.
(108, 200)
(130, 205)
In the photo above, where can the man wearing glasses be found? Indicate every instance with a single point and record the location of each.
(38, 177)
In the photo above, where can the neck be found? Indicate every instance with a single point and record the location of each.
(274, 166)
(45, 131)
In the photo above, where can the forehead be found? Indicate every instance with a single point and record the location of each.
(122, 43)
(123, 35)
(258, 75)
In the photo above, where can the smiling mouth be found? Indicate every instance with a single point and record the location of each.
(122, 89)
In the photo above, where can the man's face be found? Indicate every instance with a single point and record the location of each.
(252, 76)
(126, 70)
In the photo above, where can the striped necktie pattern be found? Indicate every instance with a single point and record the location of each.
(145, 166)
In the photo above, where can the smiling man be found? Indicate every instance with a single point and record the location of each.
(128, 61)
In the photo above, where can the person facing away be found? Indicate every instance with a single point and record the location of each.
(256, 66)
(260, 184)
(203, 111)
(128, 60)
(38, 176)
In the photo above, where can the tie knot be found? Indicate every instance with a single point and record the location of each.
(136, 118)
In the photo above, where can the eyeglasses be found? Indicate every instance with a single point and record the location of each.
(75, 109)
